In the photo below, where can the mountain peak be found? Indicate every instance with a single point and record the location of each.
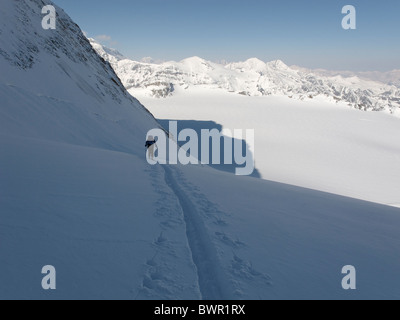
(255, 61)
(195, 60)
(278, 64)
(197, 64)
(256, 64)
(252, 64)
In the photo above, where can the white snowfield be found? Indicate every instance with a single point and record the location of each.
(77, 193)
(312, 144)
(255, 78)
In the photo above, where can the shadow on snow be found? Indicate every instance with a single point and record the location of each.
(210, 125)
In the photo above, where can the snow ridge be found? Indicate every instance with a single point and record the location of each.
(252, 78)
(63, 82)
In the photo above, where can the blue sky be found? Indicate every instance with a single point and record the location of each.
(307, 33)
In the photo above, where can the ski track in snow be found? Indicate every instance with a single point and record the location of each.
(212, 282)
(240, 271)
(160, 280)
(211, 247)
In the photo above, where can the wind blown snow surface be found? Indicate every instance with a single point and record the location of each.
(77, 193)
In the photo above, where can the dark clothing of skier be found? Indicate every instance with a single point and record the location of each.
(150, 146)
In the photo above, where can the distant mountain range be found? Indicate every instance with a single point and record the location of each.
(256, 78)
(391, 78)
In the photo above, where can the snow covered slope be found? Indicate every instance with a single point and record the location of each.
(281, 242)
(254, 78)
(76, 190)
(77, 193)
(54, 85)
